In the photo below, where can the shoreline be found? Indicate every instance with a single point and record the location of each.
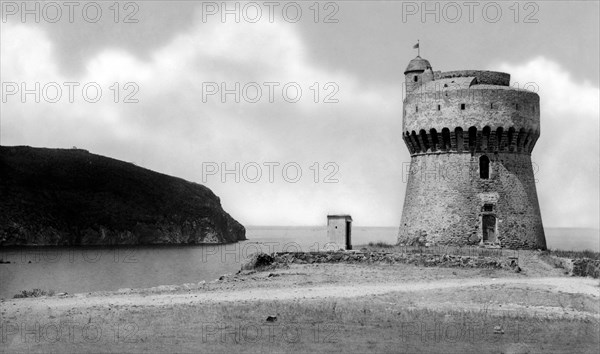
(108, 246)
(472, 257)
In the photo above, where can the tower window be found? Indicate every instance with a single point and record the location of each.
(516, 106)
(462, 106)
(416, 78)
(488, 207)
(491, 106)
(484, 167)
(416, 108)
(439, 107)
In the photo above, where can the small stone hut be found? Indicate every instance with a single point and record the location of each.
(339, 232)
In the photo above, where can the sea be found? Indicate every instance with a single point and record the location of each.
(88, 269)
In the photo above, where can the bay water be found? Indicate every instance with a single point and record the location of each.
(87, 269)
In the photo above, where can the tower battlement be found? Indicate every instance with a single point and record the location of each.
(464, 102)
(484, 77)
(473, 123)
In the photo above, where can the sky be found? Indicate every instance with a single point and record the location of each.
(290, 111)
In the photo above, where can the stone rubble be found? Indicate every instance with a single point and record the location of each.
(427, 260)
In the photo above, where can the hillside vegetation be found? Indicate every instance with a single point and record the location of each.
(73, 197)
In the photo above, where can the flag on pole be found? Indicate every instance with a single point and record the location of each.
(416, 46)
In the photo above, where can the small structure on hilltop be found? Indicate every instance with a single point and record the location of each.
(339, 232)
(471, 181)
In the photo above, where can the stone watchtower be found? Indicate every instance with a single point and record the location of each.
(471, 181)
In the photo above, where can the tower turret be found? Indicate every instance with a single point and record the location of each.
(417, 72)
(471, 181)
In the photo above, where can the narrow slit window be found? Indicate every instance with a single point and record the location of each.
(416, 78)
(416, 108)
(462, 106)
(439, 107)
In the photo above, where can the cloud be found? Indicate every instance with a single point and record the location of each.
(173, 131)
(567, 153)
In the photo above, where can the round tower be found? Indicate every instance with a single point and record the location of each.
(471, 180)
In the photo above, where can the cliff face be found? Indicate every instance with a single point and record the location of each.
(72, 197)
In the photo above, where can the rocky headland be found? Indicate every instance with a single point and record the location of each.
(71, 197)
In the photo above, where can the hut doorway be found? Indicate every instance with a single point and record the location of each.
(348, 234)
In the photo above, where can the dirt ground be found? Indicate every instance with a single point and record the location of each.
(322, 307)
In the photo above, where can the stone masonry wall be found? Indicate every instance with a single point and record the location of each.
(484, 105)
(445, 197)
